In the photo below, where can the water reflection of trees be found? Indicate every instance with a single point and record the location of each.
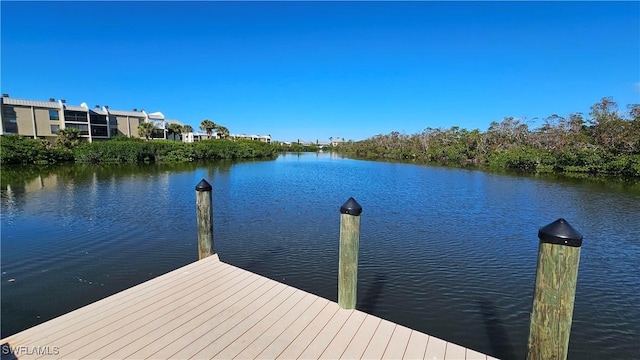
(17, 180)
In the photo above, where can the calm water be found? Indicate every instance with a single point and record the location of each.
(449, 252)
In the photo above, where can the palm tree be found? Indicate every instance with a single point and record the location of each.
(187, 129)
(68, 137)
(208, 126)
(145, 129)
(222, 131)
(175, 129)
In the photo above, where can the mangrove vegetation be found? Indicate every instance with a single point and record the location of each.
(16, 149)
(607, 142)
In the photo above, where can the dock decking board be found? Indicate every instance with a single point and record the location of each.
(210, 309)
(287, 337)
(140, 314)
(398, 343)
(342, 339)
(417, 346)
(361, 339)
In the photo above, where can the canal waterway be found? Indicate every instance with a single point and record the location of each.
(450, 252)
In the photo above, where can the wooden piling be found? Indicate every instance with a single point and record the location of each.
(555, 289)
(205, 219)
(349, 246)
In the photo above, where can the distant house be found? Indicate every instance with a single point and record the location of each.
(161, 125)
(303, 142)
(261, 138)
(335, 141)
(198, 136)
(173, 136)
(194, 136)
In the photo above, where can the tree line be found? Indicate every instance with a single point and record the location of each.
(605, 142)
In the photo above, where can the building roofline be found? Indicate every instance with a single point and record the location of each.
(138, 114)
(34, 103)
(75, 108)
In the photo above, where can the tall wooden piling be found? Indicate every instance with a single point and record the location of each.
(349, 246)
(205, 219)
(555, 289)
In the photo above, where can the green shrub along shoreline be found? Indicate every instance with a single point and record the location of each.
(522, 161)
(16, 149)
(607, 143)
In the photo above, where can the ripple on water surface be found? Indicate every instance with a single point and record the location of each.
(449, 252)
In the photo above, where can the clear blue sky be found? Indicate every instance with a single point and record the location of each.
(311, 70)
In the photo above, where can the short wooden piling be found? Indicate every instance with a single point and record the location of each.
(555, 289)
(349, 246)
(205, 219)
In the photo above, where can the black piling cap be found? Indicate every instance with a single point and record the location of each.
(351, 207)
(203, 185)
(561, 233)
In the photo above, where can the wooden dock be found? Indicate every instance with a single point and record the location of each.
(210, 309)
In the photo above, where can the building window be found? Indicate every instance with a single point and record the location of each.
(97, 118)
(9, 119)
(79, 116)
(11, 126)
(55, 129)
(157, 134)
(8, 112)
(84, 129)
(99, 131)
(54, 115)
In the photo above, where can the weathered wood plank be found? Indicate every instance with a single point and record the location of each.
(348, 257)
(553, 299)
(204, 212)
